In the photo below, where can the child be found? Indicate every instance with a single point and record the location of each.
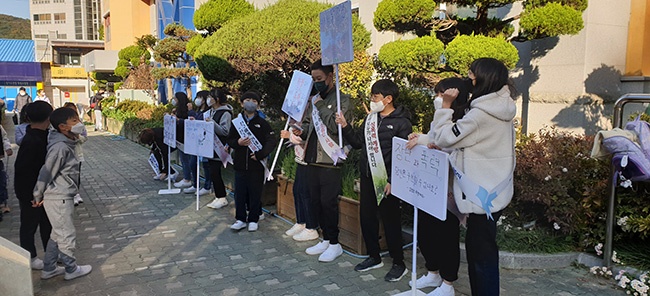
(4, 195)
(154, 137)
(20, 129)
(181, 111)
(220, 113)
(383, 123)
(201, 106)
(483, 149)
(55, 189)
(250, 166)
(30, 159)
(78, 150)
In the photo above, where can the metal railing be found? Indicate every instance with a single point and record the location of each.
(611, 205)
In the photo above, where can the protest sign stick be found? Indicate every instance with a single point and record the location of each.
(169, 189)
(277, 153)
(338, 102)
(414, 291)
(198, 171)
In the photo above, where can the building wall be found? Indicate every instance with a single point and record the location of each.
(128, 19)
(62, 29)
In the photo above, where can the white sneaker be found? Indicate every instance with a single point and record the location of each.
(187, 190)
(332, 252)
(239, 225)
(262, 216)
(81, 271)
(318, 249)
(204, 191)
(429, 280)
(78, 200)
(444, 290)
(295, 229)
(218, 203)
(306, 235)
(182, 183)
(172, 177)
(58, 270)
(252, 226)
(36, 264)
(156, 177)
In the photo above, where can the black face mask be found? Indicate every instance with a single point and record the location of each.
(314, 91)
(321, 87)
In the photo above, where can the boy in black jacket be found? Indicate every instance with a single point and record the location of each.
(375, 138)
(250, 166)
(30, 159)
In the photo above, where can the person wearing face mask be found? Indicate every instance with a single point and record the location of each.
(96, 105)
(181, 112)
(375, 139)
(324, 173)
(22, 100)
(56, 186)
(196, 113)
(220, 113)
(250, 166)
(83, 136)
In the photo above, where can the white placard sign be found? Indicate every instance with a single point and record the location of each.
(245, 132)
(153, 162)
(169, 133)
(336, 34)
(420, 177)
(199, 138)
(295, 102)
(222, 152)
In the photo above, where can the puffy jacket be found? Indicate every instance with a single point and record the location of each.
(30, 159)
(396, 124)
(483, 145)
(327, 110)
(21, 102)
(263, 132)
(59, 176)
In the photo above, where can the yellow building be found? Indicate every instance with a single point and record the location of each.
(124, 20)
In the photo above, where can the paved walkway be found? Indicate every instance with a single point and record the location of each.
(140, 243)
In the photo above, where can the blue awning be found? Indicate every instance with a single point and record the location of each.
(30, 72)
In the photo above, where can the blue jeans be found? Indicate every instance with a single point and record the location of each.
(482, 254)
(301, 198)
(185, 163)
(206, 172)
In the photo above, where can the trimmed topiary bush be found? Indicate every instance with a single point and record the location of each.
(212, 15)
(551, 19)
(409, 57)
(463, 50)
(403, 16)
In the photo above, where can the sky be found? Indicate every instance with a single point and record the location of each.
(17, 8)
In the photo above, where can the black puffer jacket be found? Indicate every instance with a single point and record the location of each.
(396, 124)
(263, 132)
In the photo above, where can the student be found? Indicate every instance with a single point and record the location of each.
(21, 101)
(41, 96)
(197, 113)
(181, 112)
(19, 133)
(55, 189)
(78, 151)
(483, 150)
(154, 137)
(385, 121)
(324, 174)
(30, 159)
(96, 105)
(250, 166)
(220, 113)
(441, 252)
(6, 151)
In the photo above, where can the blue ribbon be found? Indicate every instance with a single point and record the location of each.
(486, 200)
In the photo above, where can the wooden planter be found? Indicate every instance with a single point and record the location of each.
(350, 235)
(285, 203)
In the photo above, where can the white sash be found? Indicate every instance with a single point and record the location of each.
(153, 162)
(245, 132)
(375, 157)
(222, 152)
(330, 146)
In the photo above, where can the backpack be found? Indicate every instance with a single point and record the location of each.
(631, 160)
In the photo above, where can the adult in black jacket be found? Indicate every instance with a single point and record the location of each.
(155, 138)
(249, 169)
(391, 122)
(30, 159)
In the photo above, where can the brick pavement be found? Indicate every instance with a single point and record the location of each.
(140, 243)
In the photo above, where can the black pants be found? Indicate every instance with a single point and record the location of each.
(324, 188)
(162, 157)
(439, 244)
(482, 254)
(391, 216)
(30, 219)
(216, 179)
(248, 195)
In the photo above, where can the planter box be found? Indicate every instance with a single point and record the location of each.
(113, 125)
(285, 203)
(350, 227)
(269, 192)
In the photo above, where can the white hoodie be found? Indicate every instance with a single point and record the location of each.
(483, 145)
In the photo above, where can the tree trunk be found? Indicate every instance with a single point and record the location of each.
(188, 88)
(481, 19)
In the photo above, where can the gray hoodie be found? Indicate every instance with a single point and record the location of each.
(221, 128)
(22, 101)
(58, 178)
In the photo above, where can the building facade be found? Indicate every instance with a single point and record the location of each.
(18, 69)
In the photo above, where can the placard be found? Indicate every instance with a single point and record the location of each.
(295, 102)
(199, 138)
(420, 177)
(169, 133)
(222, 152)
(153, 162)
(336, 34)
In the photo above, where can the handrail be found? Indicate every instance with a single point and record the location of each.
(611, 206)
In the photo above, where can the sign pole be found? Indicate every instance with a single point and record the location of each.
(338, 102)
(414, 273)
(169, 189)
(277, 153)
(198, 171)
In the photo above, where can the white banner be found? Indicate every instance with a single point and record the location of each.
(375, 156)
(222, 152)
(420, 177)
(199, 138)
(153, 162)
(331, 148)
(295, 102)
(170, 131)
(245, 132)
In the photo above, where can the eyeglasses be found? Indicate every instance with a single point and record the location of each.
(375, 98)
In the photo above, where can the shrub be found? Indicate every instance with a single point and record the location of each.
(193, 44)
(406, 58)
(403, 16)
(463, 50)
(355, 78)
(132, 54)
(551, 19)
(212, 15)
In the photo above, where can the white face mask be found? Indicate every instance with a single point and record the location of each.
(210, 101)
(78, 128)
(22, 93)
(198, 102)
(376, 107)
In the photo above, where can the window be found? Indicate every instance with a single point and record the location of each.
(59, 18)
(67, 58)
(43, 18)
(40, 36)
(42, 1)
(59, 1)
(62, 36)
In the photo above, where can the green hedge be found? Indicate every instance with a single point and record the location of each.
(464, 49)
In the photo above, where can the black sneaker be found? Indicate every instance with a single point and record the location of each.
(368, 264)
(396, 273)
